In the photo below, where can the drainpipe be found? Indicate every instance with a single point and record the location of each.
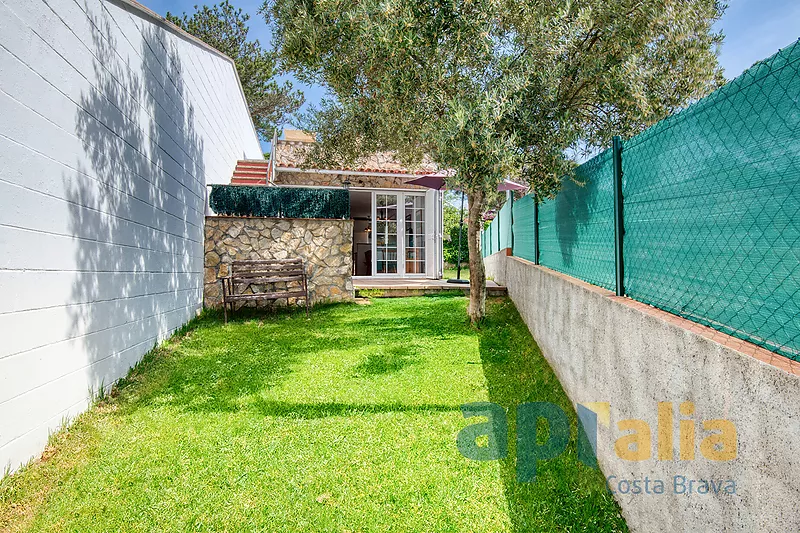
(272, 167)
(619, 220)
(511, 209)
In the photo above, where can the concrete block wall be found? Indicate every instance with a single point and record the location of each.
(113, 122)
(609, 349)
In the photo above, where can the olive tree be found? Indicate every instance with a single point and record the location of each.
(493, 88)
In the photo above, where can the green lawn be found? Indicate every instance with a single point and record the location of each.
(450, 273)
(346, 422)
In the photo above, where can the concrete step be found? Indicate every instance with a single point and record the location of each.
(248, 174)
(248, 181)
(403, 291)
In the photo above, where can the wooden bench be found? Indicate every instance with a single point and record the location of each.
(272, 279)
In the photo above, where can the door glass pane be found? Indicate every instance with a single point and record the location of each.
(415, 234)
(386, 233)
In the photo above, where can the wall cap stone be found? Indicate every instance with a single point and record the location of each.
(736, 344)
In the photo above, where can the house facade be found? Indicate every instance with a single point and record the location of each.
(397, 227)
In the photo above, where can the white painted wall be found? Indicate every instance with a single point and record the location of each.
(111, 124)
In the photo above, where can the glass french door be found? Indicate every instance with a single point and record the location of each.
(414, 232)
(399, 234)
(386, 249)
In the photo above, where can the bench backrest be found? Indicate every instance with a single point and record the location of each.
(290, 268)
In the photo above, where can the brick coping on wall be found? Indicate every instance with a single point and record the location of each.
(739, 345)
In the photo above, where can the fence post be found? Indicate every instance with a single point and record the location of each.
(619, 227)
(499, 238)
(535, 229)
(511, 209)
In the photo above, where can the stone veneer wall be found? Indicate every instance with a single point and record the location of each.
(313, 179)
(325, 246)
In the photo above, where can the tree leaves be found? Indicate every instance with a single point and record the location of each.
(225, 28)
(495, 88)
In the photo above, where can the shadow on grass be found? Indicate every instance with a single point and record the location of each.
(308, 411)
(566, 496)
(212, 367)
(390, 359)
(223, 368)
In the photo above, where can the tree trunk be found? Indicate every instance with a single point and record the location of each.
(477, 272)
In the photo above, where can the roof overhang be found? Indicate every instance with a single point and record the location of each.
(339, 172)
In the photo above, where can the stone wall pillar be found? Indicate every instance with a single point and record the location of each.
(324, 245)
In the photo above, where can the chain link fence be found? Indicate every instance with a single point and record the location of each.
(711, 212)
(524, 228)
(712, 208)
(576, 228)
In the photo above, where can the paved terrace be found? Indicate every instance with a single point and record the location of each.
(416, 287)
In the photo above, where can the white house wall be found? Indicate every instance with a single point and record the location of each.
(111, 125)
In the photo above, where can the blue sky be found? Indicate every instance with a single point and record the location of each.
(754, 30)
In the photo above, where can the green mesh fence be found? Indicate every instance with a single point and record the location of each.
(524, 228)
(711, 205)
(712, 208)
(497, 234)
(490, 241)
(287, 202)
(505, 226)
(576, 229)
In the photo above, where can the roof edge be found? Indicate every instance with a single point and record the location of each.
(352, 171)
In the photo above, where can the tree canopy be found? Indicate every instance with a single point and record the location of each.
(494, 88)
(226, 28)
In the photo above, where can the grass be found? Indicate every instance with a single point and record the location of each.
(451, 272)
(346, 422)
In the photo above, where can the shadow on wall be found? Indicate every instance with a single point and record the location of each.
(574, 206)
(564, 490)
(137, 203)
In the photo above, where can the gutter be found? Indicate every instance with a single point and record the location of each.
(347, 172)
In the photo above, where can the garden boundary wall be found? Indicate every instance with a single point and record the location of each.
(698, 215)
(606, 348)
(113, 123)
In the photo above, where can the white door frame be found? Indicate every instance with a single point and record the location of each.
(401, 233)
